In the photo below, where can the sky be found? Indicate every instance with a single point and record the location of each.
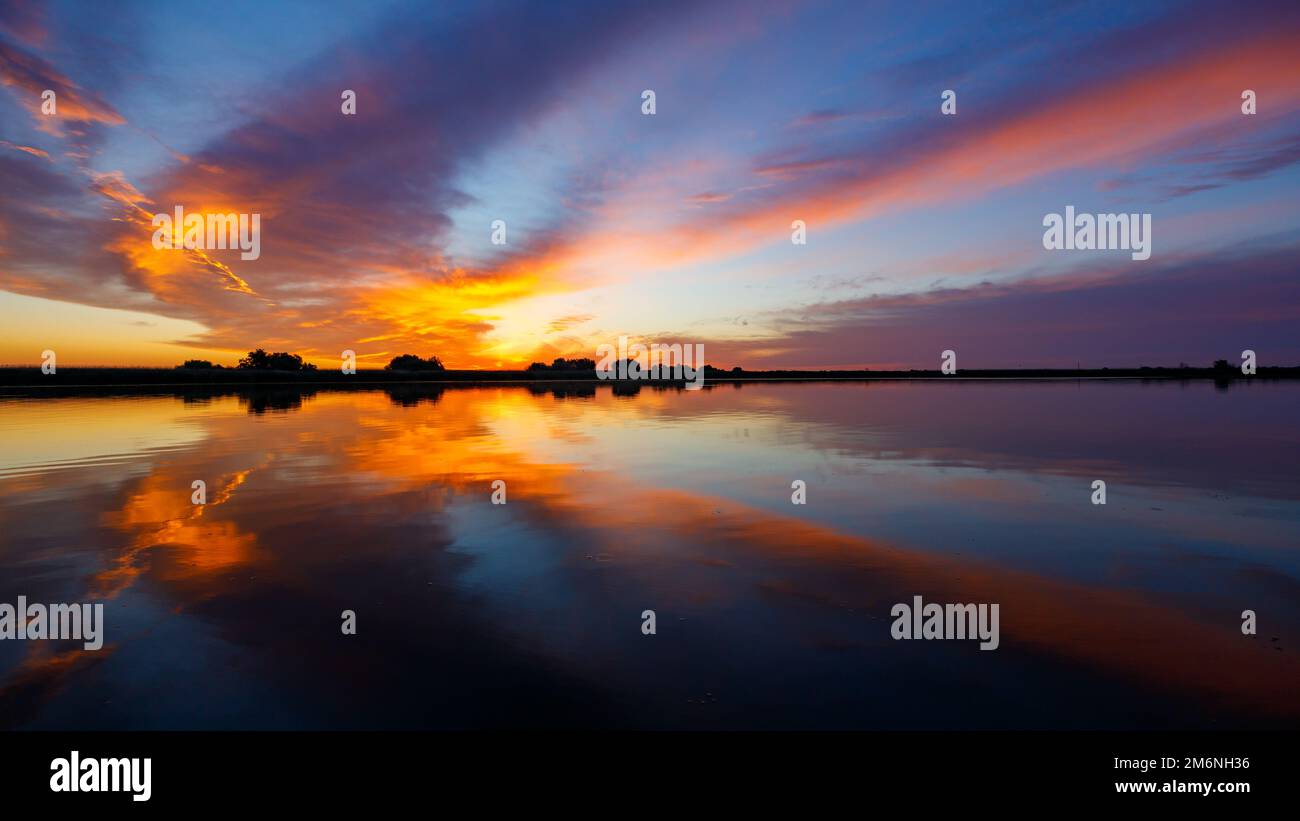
(924, 230)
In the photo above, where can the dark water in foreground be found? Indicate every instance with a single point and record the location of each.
(768, 614)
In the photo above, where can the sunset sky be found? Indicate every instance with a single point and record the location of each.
(924, 230)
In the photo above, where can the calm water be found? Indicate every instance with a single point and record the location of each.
(769, 614)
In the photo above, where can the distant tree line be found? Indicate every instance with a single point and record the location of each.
(280, 361)
(258, 360)
(562, 364)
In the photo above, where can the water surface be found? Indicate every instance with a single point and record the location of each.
(769, 614)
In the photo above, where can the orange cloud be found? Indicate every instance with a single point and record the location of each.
(1113, 122)
(35, 152)
(30, 76)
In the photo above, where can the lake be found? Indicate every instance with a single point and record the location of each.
(767, 614)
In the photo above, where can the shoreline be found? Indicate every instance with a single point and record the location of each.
(31, 378)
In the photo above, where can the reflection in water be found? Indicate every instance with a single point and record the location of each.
(471, 614)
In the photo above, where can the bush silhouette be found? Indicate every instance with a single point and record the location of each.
(411, 362)
(562, 364)
(280, 361)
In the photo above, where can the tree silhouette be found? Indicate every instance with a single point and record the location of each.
(280, 361)
(411, 362)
